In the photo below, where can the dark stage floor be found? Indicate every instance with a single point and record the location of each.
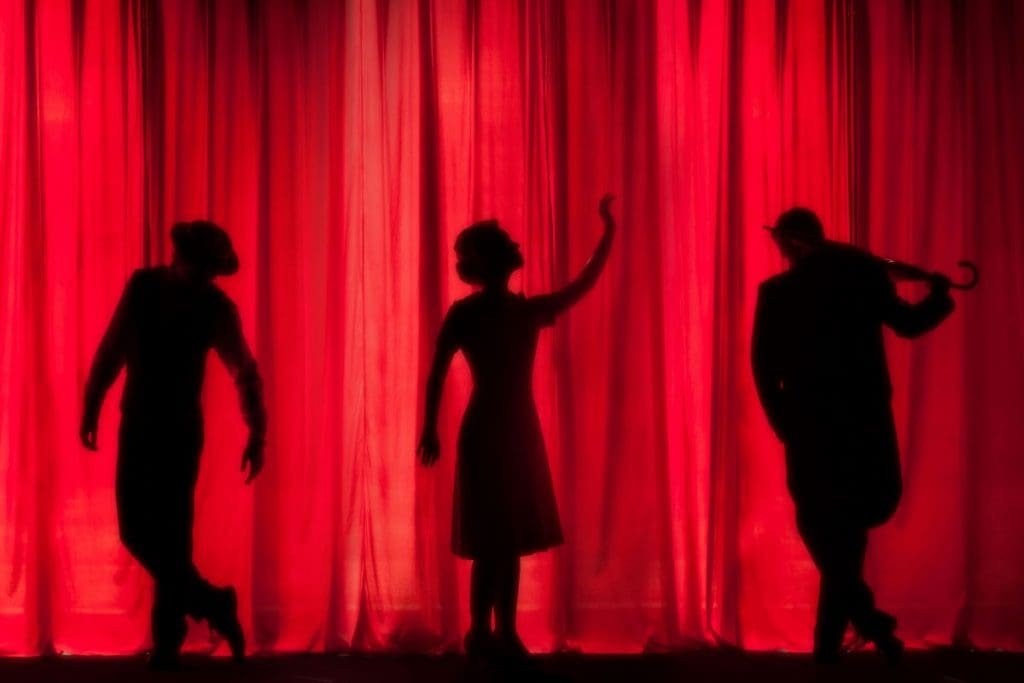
(704, 666)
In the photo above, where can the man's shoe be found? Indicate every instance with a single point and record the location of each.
(891, 648)
(224, 620)
(886, 622)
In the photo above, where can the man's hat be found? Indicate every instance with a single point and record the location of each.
(798, 224)
(206, 246)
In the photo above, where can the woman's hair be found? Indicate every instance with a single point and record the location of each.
(205, 246)
(485, 252)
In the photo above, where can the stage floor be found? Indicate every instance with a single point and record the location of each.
(700, 666)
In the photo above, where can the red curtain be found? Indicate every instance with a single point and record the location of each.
(343, 145)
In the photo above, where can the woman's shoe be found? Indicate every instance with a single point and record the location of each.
(478, 644)
(161, 660)
(511, 647)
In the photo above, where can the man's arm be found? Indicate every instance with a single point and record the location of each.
(106, 365)
(229, 342)
(914, 319)
(765, 362)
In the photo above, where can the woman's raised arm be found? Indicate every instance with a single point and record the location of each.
(556, 302)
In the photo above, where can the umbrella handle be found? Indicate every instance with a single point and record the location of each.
(906, 271)
(972, 281)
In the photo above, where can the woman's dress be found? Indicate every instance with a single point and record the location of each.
(504, 500)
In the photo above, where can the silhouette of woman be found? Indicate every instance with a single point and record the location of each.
(504, 503)
(165, 324)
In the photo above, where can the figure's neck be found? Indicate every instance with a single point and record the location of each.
(495, 288)
(185, 273)
(802, 255)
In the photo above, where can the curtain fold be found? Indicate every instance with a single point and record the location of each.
(343, 145)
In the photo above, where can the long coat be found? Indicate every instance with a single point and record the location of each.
(821, 374)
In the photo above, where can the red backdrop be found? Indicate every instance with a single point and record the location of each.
(344, 144)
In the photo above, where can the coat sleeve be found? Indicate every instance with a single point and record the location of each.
(766, 361)
(112, 352)
(911, 320)
(230, 345)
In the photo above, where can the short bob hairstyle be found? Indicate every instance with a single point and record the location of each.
(204, 246)
(486, 253)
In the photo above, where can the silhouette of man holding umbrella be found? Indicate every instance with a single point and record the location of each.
(821, 374)
(167, 320)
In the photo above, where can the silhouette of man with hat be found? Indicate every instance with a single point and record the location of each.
(821, 375)
(167, 320)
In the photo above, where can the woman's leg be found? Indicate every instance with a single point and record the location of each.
(481, 596)
(506, 597)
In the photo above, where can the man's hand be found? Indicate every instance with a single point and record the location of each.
(253, 458)
(429, 449)
(605, 210)
(87, 432)
(939, 282)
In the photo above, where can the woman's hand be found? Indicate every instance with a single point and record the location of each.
(87, 432)
(429, 448)
(604, 208)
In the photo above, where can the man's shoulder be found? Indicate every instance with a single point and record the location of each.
(775, 284)
(147, 276)
(149, 273)
(850, 257)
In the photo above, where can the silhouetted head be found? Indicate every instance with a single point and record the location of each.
(203, 250)
(486, 254)
(797, 232)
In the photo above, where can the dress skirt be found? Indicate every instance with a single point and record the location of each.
(504, 499)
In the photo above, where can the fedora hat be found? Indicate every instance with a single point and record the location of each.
(799, 224)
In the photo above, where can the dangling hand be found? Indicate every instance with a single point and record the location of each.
(429, 448)
(252, 457)
(87, 432)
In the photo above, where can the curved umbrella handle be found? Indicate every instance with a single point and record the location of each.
(971, 281)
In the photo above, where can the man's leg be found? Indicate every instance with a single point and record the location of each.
(825, 545)
(197, 597)
(870, 622)
(860, 598)
(832, 620)
(167, 619)
(144, 532)
(167, 551)
(838, 549)
(219, 606)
